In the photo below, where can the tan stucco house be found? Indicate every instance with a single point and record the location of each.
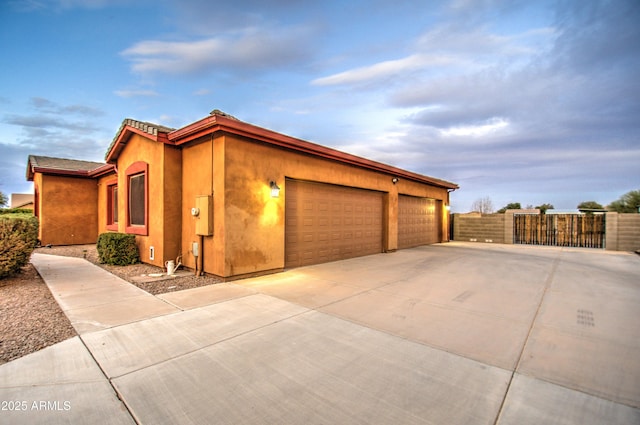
(234, 199)
(22, 200)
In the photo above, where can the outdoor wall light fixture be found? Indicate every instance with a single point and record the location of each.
(275, 189)
(394, 180)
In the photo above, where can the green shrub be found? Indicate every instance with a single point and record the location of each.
(18, 238)
(19, 211)
(119, 249)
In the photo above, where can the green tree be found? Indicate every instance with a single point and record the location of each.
(544, 207)
(3, 199)
(628, 203)
(590, 205)
(511, 206)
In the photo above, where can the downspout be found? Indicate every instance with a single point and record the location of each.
(210, 212)
(200, 272)
(448, 209)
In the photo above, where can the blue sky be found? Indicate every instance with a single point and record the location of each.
(519, 101)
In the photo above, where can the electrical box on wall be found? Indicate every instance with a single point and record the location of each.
(203, 212)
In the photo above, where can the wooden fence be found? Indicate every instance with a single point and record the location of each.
(573, 230)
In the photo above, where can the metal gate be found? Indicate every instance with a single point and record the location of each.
(574, 230)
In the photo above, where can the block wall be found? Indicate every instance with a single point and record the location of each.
(476, 227)
(623, 232)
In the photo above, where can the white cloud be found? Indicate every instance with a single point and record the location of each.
(247, 50)
(384, 69)
(450, 51)
(136, 93)
(47, 106)
(58, 5)
(494, 126)
(89, 4)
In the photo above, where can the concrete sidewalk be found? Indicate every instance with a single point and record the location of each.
(444, 334)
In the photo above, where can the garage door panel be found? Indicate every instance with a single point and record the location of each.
(338, 222)
(418, 222)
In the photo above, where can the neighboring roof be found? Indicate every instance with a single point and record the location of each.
(128, 128)
(576, 211)
(593, 210)
(19, 200)
(63, 166)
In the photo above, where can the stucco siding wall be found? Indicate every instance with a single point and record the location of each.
(37, 200)
(68, 210)
(137, 149)
(172, 202)
(197, 180)
(254, 221)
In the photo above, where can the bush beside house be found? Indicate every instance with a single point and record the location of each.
(18, 239)
(117, 249)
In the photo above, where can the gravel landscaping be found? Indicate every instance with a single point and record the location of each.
(128, 273)
(30, 318)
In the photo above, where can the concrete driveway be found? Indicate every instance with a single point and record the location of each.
(455, 333)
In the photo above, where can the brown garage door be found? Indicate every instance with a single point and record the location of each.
(418, 222)
(327, 223)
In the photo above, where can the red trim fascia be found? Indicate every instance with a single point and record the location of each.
(194, 130)
(98, 172)
(137, 168)
(103, 170)
(216, 123)
(120, 142)
(71, 173)
(163, 138)
(125, 135)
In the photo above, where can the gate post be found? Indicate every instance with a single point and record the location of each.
(611, 231)
(508, 226)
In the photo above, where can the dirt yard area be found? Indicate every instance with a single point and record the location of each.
(30, 318)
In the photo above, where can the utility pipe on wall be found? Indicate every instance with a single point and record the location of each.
(201, 271)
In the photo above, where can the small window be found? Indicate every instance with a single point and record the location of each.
(36, 201)
(114, 202)
(112, 207)
(137, 198)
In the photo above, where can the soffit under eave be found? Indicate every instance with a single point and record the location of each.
(31, 165)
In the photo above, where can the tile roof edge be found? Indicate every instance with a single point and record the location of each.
(144, 126)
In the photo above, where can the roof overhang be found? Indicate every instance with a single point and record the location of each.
(103, 170)
(33, 168)
(130, 127)
(220, 123)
